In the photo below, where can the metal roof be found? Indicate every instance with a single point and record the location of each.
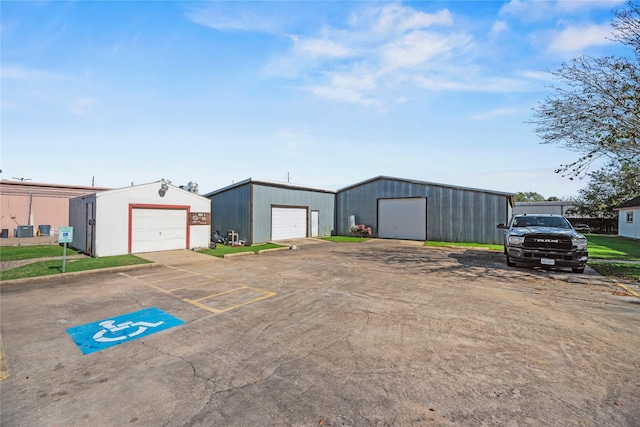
(414, 181)
(633, 203)
(285, 185)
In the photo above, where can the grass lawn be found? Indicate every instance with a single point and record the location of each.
(340, 239)
(47, 268)
(613, 247)
(617, 270)
(222, 250)
(14, 253)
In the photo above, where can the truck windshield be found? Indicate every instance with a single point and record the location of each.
(541, 221)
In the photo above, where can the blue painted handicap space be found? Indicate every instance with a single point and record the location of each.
(120, 329)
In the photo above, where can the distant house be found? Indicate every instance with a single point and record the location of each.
(629, 218)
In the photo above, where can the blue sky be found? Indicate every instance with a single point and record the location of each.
(325, 93)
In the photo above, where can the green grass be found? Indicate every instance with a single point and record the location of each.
(341, 239)
(465, 245)
(47, 268)
(14, 253)
(617, 270)
(613, 247)
(222, 250)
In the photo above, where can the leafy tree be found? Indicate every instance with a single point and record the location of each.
(529, 196)
(553, 199)
(608, 188)
(595, 111)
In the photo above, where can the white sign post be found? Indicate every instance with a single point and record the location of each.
(65, 235)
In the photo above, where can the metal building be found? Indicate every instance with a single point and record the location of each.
(37, 204)
(262, 211)
(414, 210)
(142, 218)
(560, 207)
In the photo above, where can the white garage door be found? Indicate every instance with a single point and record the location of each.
(402, 218)
(158, 230)
(288, 223)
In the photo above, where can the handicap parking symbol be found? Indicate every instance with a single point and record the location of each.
(116, 330)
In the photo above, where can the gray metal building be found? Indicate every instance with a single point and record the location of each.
(561, 207)
(262, 211)
(414, 210)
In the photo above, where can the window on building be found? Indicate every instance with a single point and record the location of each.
(630, 216)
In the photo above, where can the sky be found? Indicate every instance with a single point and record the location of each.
(316, 93)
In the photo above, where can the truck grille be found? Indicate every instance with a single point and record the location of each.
(554, 242)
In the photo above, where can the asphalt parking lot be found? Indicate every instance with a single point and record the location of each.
(353, 334)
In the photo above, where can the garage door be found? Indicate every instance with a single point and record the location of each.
(158, 229)
(288, 223)
(402, 218)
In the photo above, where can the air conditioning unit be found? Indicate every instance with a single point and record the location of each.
(24, 231)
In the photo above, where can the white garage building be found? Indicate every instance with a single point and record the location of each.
(143, 218)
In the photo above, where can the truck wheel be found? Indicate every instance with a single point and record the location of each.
(578, 270)
(509, 262)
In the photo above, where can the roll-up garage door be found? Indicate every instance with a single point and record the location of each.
(288, 223)
(402, 218)
(158, 229)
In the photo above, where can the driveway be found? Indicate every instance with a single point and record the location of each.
(349, 334)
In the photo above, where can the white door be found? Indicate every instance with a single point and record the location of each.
(288, 223)
(315, 223)
(158, 230)
(402, 218)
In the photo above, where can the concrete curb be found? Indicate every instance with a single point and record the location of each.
(286, 248)
(237, 254)
(5, 284)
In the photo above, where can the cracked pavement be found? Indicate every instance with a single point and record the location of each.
(356, 334)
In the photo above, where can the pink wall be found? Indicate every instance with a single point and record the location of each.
(49, 204)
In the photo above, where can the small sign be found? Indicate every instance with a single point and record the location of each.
(200, 218)
(120, 329)
(65, 235)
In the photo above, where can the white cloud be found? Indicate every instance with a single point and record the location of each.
(380, 46)
(492, 114)
(348, 87)
(82, 106)
(319, 48)
(23, 73)
(396, 18)
(577, 38)
(546, 10)
(245, 20)
(420, 47)
(499, 27)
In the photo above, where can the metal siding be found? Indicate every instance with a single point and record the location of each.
(231, 210)
(264, 197)
(78, 220)
(453, 214)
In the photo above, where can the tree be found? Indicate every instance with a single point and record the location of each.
(529, 196)
(595, 111)
(608, 188)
